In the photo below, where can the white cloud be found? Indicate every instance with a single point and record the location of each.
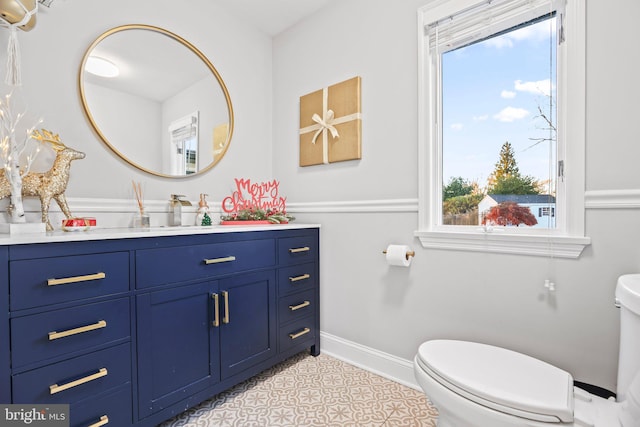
(480, 118)
(500, 42)
(536, 32)
(511, 114)
(539, 31)
(457, 126)
(507, 94)
(540, 87)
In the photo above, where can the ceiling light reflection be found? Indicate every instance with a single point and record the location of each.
(101, 67)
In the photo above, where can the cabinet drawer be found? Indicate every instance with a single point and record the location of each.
(295, 250)
(54, 333)
(299, 333)
(295, 306)
(178, 264)
(37, 282)
(113, 407)
(297, 278)
(74, 379)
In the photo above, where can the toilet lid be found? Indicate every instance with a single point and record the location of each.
(500, 379)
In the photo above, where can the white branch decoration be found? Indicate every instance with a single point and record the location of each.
(12, 147)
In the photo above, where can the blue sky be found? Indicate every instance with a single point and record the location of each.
(491, 92)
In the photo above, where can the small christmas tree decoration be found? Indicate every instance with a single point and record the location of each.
(206, 220)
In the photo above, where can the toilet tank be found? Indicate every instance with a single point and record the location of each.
(628, 299)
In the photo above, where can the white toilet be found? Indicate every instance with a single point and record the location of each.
(478, 385)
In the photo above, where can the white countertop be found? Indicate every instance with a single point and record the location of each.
(97, 233)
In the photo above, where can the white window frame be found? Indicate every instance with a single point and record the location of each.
(568, 239)
(181, 130)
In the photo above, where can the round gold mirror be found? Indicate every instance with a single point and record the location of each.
(156, 101)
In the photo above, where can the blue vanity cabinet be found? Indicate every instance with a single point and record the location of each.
(5, 334)
(178, 344)
(132, 331)
(70, 329)
(298, 294)
(192, 336)
(248, 323)
(175, 264)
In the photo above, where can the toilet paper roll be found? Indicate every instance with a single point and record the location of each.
(397, 255)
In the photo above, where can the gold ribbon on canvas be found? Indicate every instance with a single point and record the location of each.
(326, 124)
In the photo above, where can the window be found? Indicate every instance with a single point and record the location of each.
(501, 114)
(183, 136)
(546, 211)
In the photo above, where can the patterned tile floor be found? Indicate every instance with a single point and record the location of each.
(307, 391)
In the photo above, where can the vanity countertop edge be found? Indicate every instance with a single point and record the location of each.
(131, 233)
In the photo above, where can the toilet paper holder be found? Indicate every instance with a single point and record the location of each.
(408, 255)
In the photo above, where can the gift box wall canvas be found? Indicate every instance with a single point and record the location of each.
(331, 124)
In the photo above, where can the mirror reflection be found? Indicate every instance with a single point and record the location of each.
(156, 101)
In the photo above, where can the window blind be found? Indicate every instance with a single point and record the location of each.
(486, 19)
(184, 128)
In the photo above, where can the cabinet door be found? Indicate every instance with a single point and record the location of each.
(248, 329)
(178, 345)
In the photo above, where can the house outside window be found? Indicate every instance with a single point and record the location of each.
(540, 206)
(535, 207)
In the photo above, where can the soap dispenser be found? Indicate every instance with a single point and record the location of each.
(176, 209)
(203, 217)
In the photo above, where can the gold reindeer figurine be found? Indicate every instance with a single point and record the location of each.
(51, 184)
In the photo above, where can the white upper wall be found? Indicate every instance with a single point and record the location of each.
(613, 62)
(373, 39)
(493, 298)
(51, 57)
(376, 39)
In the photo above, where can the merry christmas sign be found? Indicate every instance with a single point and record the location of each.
(258, 203)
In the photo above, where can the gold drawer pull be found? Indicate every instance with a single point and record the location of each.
(99, 325)
(55, 388)
(219, 260)
(299, 306)
(103, 421)
(296, 278)
(75, 279)
(299, 334)
(216, 311)
(225, 318)
(298, 250)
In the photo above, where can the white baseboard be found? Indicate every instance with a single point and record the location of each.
(372, 360)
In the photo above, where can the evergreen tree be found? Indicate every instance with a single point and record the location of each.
(506, 165)
(506, 178)
(456, 187)
(515, 185)
(460, 196)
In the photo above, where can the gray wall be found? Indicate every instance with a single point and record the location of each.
(51, 57)
(111, 108)
(493, 298)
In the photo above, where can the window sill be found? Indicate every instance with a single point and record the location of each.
(505, 243)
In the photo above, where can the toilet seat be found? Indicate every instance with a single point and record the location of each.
(500, 379)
